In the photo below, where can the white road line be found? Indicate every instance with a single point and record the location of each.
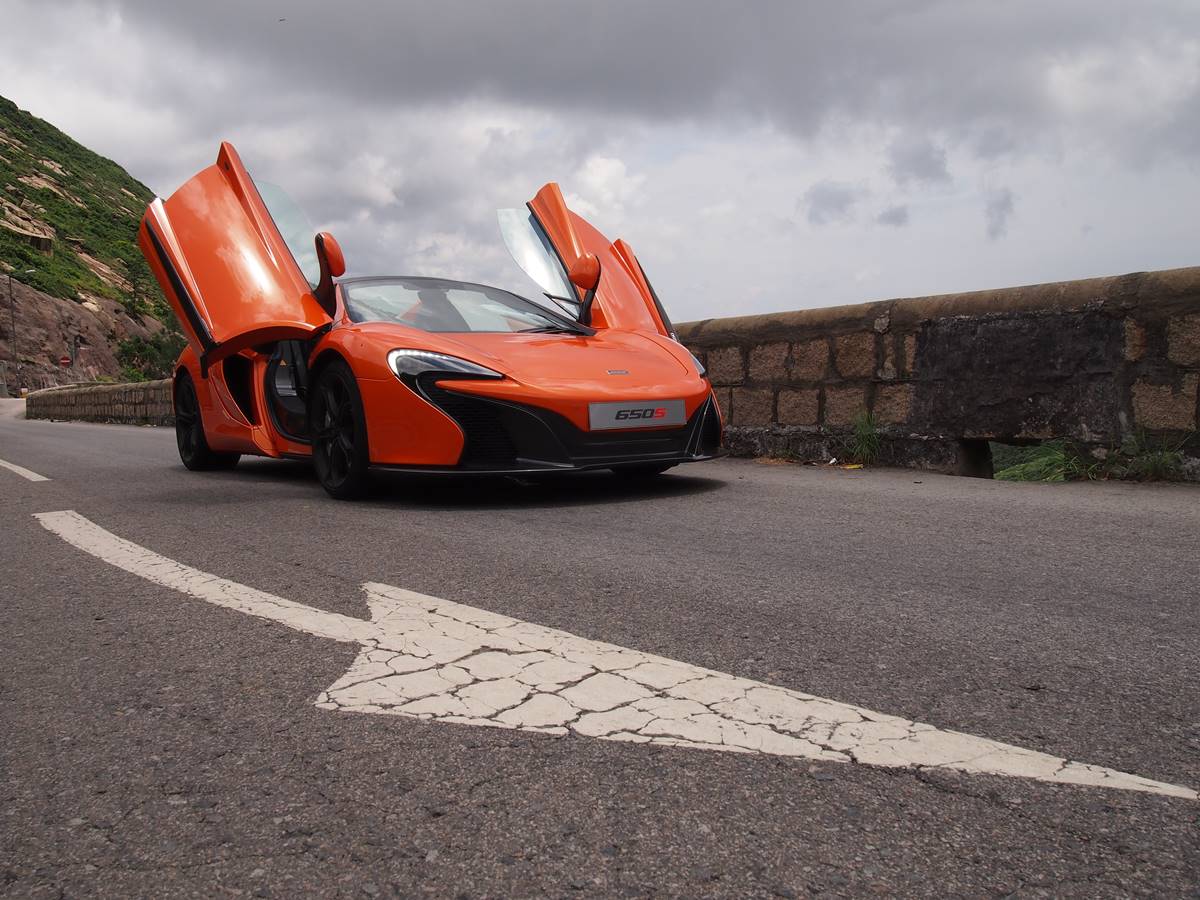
(428, 658)
(22, 471)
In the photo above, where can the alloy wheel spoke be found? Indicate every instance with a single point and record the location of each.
(332, 405)
(339, 463)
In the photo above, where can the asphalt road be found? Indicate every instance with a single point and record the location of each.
(156, 745)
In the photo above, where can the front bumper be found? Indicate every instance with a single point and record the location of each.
(507, 438)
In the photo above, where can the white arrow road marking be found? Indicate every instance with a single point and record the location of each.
(22, 471)
(433, 659)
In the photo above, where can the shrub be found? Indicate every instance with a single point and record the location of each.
(1050, 461)
(863, 444)
(145, 359)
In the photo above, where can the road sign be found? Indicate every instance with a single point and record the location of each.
(64, 361)
(428, 658)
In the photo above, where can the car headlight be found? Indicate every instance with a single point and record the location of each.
(699, 365)
(408, 364)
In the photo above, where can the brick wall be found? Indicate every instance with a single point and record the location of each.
(147, 403)
(1093, 361)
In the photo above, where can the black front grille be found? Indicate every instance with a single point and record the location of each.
(501, 434)
(487, 440)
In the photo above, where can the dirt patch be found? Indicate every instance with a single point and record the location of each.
(54, 167)
(49, 184)
(11, 141)
(104, 272)
(41, 181)
(19, 221)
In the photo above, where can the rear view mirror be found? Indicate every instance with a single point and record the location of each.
(329, 252)
(333, 265)
(585, 271)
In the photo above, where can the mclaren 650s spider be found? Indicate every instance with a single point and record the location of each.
(288, 358)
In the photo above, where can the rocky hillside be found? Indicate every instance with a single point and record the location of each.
(68, 237)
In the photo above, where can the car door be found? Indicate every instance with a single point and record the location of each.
(624, 298)
(238, 270)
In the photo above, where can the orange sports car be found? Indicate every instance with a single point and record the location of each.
(286, 358)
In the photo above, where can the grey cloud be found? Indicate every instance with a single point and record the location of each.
(916, 159)
(831, 201)
(959, 68)
(402, 125)
(990, 142)
(997, 211)
(894, 216)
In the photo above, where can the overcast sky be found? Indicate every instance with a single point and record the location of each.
(758, 156)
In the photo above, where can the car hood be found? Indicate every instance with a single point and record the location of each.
(569, 359)
(576, 357)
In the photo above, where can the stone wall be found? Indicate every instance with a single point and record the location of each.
(1093, 361)
(147, 403)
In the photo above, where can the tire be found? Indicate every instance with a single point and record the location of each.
(189, 431)
(339, 432)
(642, 472)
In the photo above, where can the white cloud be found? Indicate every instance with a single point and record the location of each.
(755, 163)
(601, 188)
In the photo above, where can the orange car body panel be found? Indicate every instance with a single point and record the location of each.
(237, 289)
(623, 297)
(224, 266)
(227, 427)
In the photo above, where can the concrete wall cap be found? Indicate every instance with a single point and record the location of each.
(1123, 292)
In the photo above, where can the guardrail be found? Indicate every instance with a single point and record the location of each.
(142, 403)
(1093, 361)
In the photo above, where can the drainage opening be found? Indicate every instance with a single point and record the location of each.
(975, 458)
(1036, 461)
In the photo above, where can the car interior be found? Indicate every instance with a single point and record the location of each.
(287, 389)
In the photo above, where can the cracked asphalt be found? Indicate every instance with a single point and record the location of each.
(156, 745)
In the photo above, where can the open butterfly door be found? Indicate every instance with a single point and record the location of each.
(224, 263)
(560, 250)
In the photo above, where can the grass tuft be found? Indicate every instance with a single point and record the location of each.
(1138, 459)
(1051, 461)
(1141, 460)
(863, 444)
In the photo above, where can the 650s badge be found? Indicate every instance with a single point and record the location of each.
(655, 413)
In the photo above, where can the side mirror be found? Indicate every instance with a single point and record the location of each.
(585, 271)
(333, 265)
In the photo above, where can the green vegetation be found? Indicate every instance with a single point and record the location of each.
(862, 446)
(1140, 458)
(1050, 461)
(92, 204)
(147, 359)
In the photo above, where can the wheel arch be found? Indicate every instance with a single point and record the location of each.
(186, 364)
(323, 357)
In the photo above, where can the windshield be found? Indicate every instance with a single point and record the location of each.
(295, 229)
(533, 252)
(436, 304)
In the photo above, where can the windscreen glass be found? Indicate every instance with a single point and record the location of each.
(435, 304)
(533, 252)
(295, 229)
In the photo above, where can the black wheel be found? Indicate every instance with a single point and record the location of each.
(189, 431)
(339, 432)
(638, 473)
